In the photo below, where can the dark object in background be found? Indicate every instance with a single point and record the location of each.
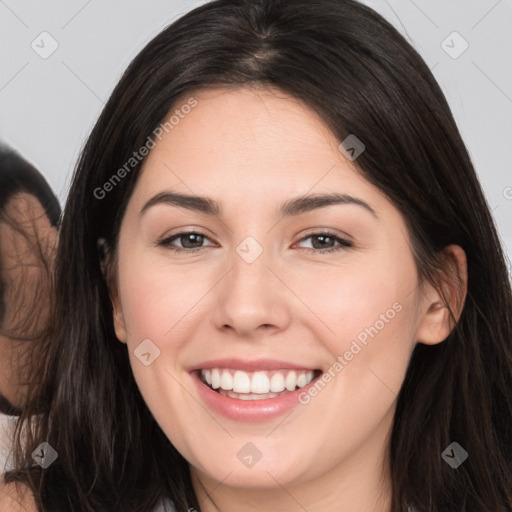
(21, 297)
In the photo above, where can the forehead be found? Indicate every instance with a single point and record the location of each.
(239, 139)
(248, 120)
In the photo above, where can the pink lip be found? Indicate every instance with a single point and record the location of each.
(250, 366)
(248, 410)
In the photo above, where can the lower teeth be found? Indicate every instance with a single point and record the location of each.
(250, 396)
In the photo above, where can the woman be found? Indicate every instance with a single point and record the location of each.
(279, 283)
(29, 216)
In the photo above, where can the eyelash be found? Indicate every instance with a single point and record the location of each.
(343, 242)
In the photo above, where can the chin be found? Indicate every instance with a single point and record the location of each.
(257, 474)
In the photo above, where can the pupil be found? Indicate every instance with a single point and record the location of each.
(323, 239)
(192, 237)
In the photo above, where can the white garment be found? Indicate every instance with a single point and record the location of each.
(167, 506)
(6, 433)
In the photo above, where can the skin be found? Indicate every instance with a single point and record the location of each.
(21, 270)
(16, 498)
(251, 150)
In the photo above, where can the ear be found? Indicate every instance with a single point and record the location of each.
(108, 264)
(437, 322)
(118, 317)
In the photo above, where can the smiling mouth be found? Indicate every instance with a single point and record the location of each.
(259, 385)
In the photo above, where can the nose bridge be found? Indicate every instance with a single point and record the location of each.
(249, 278)
(250, 266)
(250, 295)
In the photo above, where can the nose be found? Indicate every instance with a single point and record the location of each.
(252, 302)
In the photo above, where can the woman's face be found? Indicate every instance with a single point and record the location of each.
(25, 286)
(259, 295)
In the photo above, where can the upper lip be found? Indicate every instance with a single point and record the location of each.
(251, 365)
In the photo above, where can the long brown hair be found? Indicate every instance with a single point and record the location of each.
(361, 76)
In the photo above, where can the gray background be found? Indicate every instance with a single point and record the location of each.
(49, 105)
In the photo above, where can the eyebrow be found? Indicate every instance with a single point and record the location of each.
(291, 207)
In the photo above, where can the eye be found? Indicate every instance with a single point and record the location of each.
(325, 242)
(191, 241)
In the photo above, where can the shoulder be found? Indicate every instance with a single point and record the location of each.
(16, 498)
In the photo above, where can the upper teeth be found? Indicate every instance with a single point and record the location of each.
(257, 382)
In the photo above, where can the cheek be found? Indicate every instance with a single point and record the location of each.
(155, 299)
(366, 315)
(158, 305)
(163, 305)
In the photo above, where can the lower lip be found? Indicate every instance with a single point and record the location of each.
(249, 410)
